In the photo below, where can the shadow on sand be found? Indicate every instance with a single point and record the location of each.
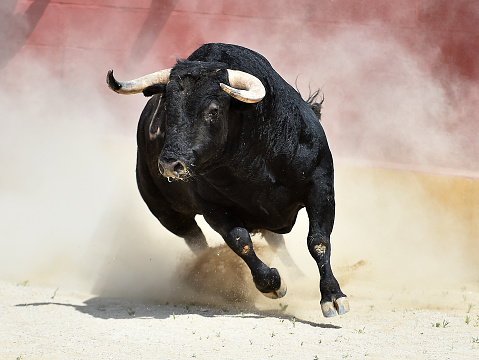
(121, 309)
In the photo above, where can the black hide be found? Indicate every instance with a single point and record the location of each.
(244, 167)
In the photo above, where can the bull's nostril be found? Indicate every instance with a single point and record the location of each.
(172, 168)
(179, 168)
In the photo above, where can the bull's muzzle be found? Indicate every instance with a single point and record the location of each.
(173, 169)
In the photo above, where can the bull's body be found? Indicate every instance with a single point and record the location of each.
(244, 167)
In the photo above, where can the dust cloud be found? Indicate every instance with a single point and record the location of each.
(385, 103)
(72, 216)
(387, 111)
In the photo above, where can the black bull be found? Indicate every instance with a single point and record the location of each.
(226, 137)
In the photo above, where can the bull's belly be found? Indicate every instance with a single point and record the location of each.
(264, 206)
(281, 222)
(275, 210)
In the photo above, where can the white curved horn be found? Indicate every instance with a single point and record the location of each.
(244, 87)
(137, 85)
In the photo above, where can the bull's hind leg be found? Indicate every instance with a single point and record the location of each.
(320, 207)
(276, 242)
(267, 280)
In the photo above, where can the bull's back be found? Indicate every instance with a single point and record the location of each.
(235, 56)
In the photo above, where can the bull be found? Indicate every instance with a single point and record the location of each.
(225, 136)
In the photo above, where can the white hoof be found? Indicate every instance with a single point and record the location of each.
(337, 307)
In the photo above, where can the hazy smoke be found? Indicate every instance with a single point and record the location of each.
(385, 103)
(71, 214)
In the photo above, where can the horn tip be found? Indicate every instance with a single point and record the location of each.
(111, 81)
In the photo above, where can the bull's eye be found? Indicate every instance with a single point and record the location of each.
(212, 112)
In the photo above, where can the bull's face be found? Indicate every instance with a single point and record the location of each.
(195, 119)
(194, 113)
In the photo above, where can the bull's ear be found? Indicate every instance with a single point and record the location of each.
(154, 89)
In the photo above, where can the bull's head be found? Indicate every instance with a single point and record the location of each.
(194, 110)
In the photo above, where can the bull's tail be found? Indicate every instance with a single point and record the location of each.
(313, 102)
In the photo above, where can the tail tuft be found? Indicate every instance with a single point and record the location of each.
(314, 104)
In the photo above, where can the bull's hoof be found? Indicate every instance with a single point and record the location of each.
(337, 307)
(277, 294)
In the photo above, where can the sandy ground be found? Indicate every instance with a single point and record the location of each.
(56, 323)
(135, 292)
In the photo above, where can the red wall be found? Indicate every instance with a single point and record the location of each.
(132, 30)
(78, 40)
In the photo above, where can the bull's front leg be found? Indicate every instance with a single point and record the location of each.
(321, 207)
(267, 280)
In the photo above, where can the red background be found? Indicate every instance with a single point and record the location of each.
(79, 40)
